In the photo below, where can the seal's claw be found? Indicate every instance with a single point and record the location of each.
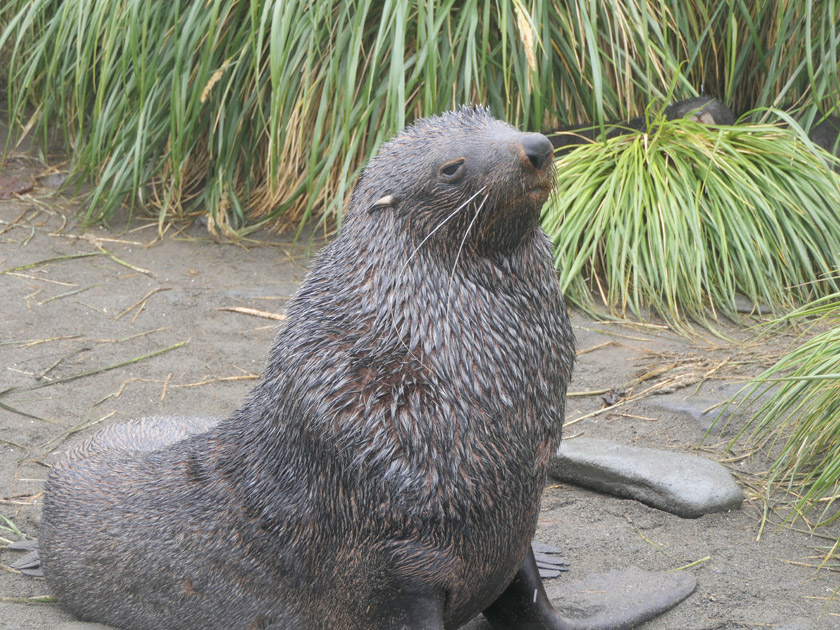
(23, 545)
(548, 561)
(30, 564)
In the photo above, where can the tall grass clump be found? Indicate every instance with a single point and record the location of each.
(263, 111)
(774, 54)
(798, 417)
(255, 110)
(685, 218)
(613, 59)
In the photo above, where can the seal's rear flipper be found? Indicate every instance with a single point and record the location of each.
(609, 601)
(30, 564)
(620, 599)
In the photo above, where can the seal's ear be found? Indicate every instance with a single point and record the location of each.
(388, 201)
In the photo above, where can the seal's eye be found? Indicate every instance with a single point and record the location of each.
(452, 170)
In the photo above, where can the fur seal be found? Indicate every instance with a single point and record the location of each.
(826, 135)
(387, 470)
(703, 109)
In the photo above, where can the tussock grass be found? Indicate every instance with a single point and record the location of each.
(612, 60)
(259, 110)
(263, 112)
(684, 218)
(798, 416)
(6, 525)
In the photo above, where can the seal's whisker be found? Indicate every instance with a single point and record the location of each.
(460, 249)
(417, 249)
(408, 260)
(441, 224)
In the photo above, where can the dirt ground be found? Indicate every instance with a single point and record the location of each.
(75, 304)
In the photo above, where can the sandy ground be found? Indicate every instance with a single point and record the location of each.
(74, 302)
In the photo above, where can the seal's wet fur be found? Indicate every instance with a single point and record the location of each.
(387, 470)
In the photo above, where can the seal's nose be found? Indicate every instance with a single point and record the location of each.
(537, 149)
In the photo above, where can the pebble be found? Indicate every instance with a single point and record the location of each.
(743, 304)
(703, 408)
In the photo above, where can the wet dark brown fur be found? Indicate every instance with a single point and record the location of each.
(391, 461)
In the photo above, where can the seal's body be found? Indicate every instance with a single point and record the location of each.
(703, 109)
(827, 136)
(387, 470)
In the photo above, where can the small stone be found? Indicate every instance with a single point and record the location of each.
(54, 180)
(686, 485)
(711, 408)
(703, 411)
(743, 304)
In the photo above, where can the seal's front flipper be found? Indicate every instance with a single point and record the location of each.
(549, 562)
(610, 601)
(524, 603)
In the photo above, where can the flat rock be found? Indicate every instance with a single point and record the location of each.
(686, 485)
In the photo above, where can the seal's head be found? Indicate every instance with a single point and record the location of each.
(476, 180)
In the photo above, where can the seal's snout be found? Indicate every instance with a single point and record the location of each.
(537, 149)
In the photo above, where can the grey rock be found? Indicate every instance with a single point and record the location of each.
(712, 407)
(745, 305)
(701, 411)
(686, 485)
(81, 625)
(54, 180)
(702, 408)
